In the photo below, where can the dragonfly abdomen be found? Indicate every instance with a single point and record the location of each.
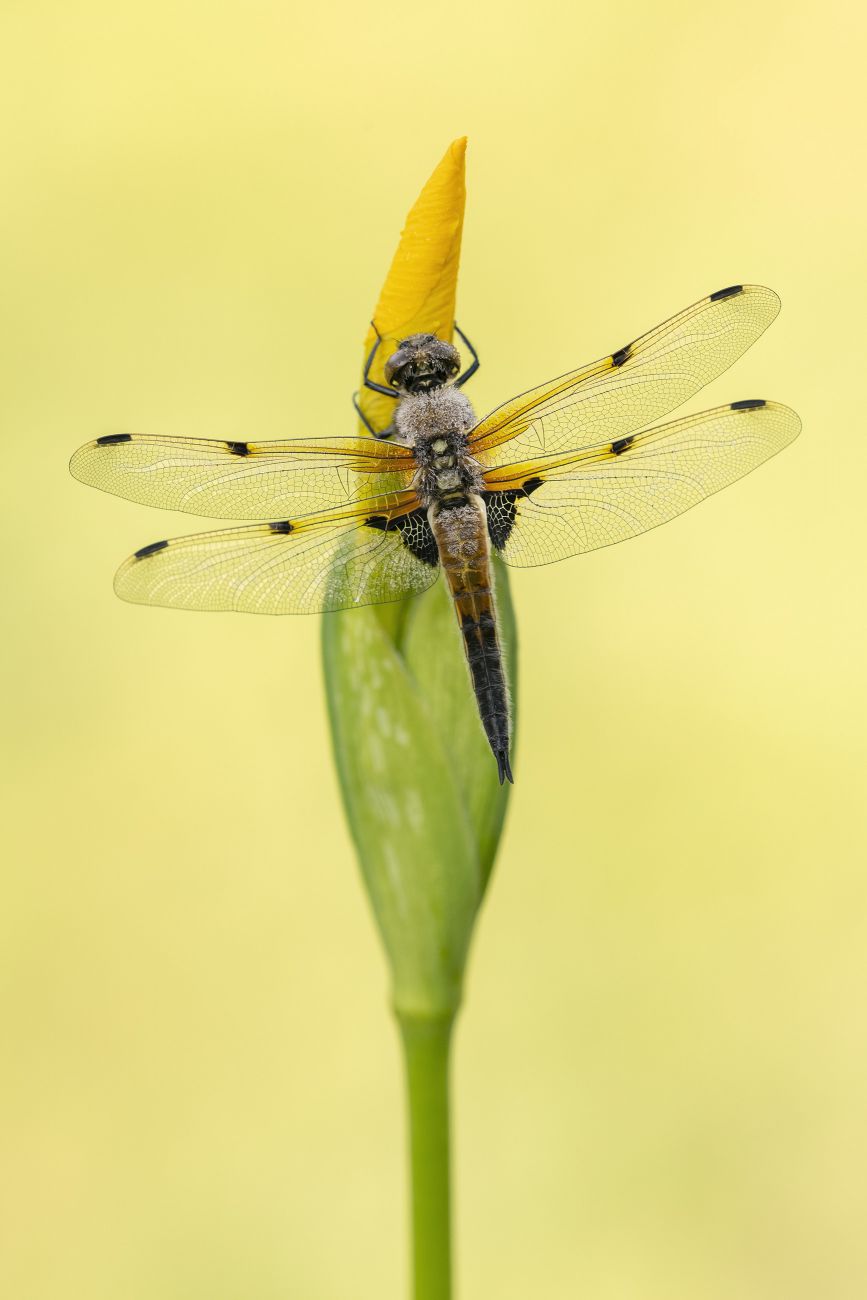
(462, 540)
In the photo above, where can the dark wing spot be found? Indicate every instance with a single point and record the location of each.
(619, 447)
(622, 355)
(416, 533)
(418, 537)
(731, 292)
(238, 448)
(281, 526)
(109, 439)
(150, 550)
(749, 404)
(502, 510)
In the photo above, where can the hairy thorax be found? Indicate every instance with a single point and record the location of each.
(421, 416)
(435, 426)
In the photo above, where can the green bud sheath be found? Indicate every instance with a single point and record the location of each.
(419, 783)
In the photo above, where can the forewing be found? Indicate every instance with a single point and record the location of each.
(242, 480)
(362, 555)
(553, 507)
(631, 387)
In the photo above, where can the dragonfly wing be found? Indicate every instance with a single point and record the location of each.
(242, 480)
(553, 507)
(632, 387)
(370, 553)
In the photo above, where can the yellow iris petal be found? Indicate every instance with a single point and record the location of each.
(420, 289)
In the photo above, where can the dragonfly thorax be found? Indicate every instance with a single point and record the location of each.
(423, 418)
(435, 426)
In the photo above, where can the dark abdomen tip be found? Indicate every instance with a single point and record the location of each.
(503, 768)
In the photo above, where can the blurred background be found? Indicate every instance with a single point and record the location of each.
(660, 1074)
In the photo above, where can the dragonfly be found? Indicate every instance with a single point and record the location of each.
(572, 465)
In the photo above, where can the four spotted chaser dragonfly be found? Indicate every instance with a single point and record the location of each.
(559, 470)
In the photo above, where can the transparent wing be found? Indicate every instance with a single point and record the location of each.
(553, 507)
(362, 555)
(630, 388)
(242, 480)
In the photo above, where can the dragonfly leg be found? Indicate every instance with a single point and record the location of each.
(377, 433)
(364, 420)
(471, 370)
(368, 382)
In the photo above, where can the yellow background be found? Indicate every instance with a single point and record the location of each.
(660, 1072)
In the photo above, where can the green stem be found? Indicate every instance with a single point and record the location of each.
(426, 1043)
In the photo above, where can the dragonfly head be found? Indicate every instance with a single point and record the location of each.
(422, 362)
